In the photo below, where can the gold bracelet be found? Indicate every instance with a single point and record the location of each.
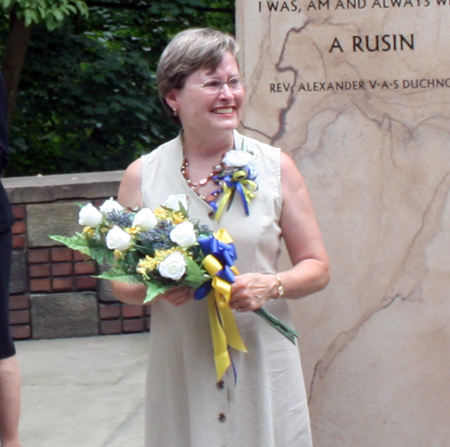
(280, 288)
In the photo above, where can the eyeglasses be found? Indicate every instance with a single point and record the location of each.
(216, 85)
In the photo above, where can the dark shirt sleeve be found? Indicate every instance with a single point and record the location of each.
(6, 217)
(3, 126)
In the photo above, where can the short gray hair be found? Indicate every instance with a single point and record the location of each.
(189, 51)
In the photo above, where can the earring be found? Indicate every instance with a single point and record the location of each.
(175, 113)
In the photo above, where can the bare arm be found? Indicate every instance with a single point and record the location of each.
(310, 271)
(130, 195)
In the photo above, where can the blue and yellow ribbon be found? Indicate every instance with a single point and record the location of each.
(219, 263)
(242, 182)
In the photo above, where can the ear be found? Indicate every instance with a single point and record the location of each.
(172, 99)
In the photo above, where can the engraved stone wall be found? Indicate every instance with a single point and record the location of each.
(358, 93)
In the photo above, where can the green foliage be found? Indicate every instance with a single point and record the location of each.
(92, 112)
(117, 274)
(153, 290)
(87, 98)
(79, 243)
(51, 13)
(196, 275)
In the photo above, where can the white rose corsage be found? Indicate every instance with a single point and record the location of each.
(236, 177)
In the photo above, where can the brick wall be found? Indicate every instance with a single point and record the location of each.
(53, 293)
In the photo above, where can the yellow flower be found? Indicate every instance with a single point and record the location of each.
(118, 254)
(88, 231)
(162, 254)
(132, 230)
(149, 263)
(165, 214)
(161, 213)
(178, 218)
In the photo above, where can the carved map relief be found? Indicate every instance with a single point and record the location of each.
(358, 93)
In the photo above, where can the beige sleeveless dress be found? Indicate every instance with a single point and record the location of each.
(267, 405)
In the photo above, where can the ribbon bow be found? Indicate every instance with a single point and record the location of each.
(241, 181)
(219, 263)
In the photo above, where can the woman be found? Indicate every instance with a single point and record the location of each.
(265, 404)
(9, 368)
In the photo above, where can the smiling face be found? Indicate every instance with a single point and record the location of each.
(202, 110)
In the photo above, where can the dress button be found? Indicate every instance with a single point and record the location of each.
(222, 417)
(220, 385)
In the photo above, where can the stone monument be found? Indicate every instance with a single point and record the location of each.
(358, 93)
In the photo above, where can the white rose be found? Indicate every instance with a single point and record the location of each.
(117, 239)
(184, 235)
(174, 200)
(145, 219)
(173, 267)
(237, 159)
(110, 205)
(89, 216)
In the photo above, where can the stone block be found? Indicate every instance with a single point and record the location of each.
(21, 332)
(19, 212)
(19, 276)
(110, 311)
(39, 256)
(19, 242)
(134, 325)
(51, 218)
(50, 188)
(19, 302)
(109, 327)
(132, 311)
(61, 315)
(105, 289)
(18, 227)
(40, 285)
(17, 317)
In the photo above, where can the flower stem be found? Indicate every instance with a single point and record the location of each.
(289, 333)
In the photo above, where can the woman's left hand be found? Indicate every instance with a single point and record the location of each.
(250, 291)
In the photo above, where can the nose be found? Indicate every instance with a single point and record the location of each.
(225, 91)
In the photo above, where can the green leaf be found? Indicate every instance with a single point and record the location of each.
(28, 14)
(195, 275)
(96, 251)
(65, 121)
(77, 242)
(153, 290)
(58, 14)
(119, 275)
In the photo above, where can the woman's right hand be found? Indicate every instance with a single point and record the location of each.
(177, 296)
(135, 294)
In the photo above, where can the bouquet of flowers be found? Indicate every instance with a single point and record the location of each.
(159, 249)
(163, 249)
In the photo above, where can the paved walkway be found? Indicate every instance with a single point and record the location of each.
(83, 392)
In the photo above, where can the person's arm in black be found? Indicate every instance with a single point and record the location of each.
(4, 157)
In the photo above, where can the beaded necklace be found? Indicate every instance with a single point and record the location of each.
(212, 176)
